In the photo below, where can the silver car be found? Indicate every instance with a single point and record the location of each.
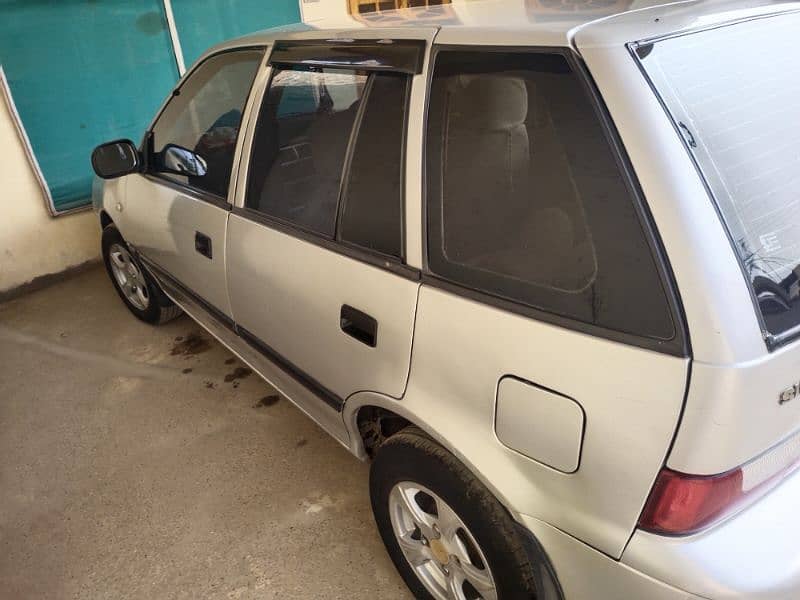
(540, 264)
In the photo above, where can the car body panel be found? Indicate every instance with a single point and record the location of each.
(632, 399)
(162, 221)
(289, 293)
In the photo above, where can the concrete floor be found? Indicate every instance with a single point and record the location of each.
(143, 462)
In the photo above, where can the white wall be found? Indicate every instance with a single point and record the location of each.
(32, 243)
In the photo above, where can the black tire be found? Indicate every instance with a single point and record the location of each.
(160, 308)
(518, 564)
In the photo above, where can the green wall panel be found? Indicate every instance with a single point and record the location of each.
(203, 23)
(83, 72)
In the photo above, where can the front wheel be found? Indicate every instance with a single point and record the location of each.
(447, 535)
(135, 286)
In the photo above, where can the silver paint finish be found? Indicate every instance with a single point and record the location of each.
(161, 222)
(438, 545)
(325, 416)
(753, 555)
(289, 293)
(128, 276)
(586, 574)
(540, 424)
(632, 399)
(731, 414)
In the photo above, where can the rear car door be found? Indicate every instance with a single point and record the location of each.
(177, 222)
(316, 268)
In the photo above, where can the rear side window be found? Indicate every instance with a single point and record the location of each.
(525, 199)
(205, 116)
(373, 202)
(328, 143)
(300, 145)
(733, 95)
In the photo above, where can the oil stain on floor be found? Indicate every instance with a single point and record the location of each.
(238, 373)
(190, 345)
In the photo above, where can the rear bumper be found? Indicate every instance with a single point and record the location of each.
(755, 555)
(587, 574)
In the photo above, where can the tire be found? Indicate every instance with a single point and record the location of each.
(517, 565)
(140, 292)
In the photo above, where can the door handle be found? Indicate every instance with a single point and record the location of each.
(202, 244)
(359, 325)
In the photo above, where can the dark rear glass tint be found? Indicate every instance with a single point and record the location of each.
(373, 202)
(525, 199)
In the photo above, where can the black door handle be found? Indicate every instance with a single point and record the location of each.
(202, 244)
(359, 325)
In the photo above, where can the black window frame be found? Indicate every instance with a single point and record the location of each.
(679, 344)
(146, 146)
(393, 264)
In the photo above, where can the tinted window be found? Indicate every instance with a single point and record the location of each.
(525, 198)
(732, 92)
(205, 117)
(301, 139)
(373, 202)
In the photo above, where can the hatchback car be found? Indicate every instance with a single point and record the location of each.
(538, 264)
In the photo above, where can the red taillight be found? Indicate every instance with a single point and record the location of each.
(681, 504)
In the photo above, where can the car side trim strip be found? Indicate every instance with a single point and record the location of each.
(289, 368)
(286, 366)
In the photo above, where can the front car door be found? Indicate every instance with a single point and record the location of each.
(177, 222)
(316, 261)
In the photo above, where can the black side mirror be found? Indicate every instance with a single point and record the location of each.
(180, 161)
(115, 159)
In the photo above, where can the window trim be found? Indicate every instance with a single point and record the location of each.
(392, 264)
(147, 150)
(679, 344)
(410, 54)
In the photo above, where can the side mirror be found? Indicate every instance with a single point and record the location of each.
(180, 161)
(115, 159)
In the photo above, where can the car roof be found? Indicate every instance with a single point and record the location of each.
(524, 22)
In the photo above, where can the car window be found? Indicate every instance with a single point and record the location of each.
(732, 93)
(525, 200)
(205, 117)
(301, 139)
(372, 204)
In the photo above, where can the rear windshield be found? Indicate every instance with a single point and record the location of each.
(734, 95)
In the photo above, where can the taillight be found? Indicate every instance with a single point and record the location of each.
(681, 504)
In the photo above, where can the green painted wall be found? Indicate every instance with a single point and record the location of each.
(203, 23)
(86, 71)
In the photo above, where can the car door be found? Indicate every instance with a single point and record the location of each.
(316, 268)
(175, 213)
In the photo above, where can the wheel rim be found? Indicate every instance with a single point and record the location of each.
(438, 545)
(129, 277)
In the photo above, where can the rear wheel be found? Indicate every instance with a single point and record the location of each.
(135, 286)
(448, 536)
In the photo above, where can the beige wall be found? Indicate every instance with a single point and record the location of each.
(32, 243)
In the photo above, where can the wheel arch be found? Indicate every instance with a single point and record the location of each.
(105, 219)
(362, 406)
(400, 409)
